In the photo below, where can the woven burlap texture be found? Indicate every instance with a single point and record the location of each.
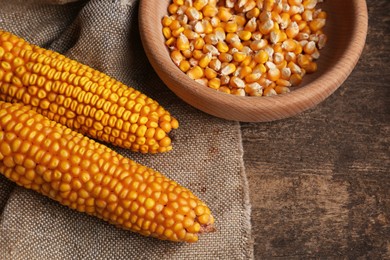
(207, 154)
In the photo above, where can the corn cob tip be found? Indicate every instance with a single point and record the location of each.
(208, 228)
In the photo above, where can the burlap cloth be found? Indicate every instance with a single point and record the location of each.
(207, 154)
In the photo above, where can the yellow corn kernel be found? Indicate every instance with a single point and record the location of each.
(209, 73)
(211, 39)
(192, 13)
(222, 47)
(195, 72)
(254, 89)
(311, 67)
(261, 57)
(225, 79)
(207, 27)
(251, 25)
(175, 24)
(184, 65)
(278, 58)
(239, 56)
(75, 95)
(237, 44)
(170, 42)
(294, 9)
(266, 27)
(214, 83)
(247, 61)
(269, 91)
(172, 8)
(244, 71)
(191, 35)
(295, 79)
(231, 27)
(224, 14)
(260, 68)
(224, 89)
(215, 64)
(225, 57)
(317, 24)
(303, 60)
(281, 89)
(276, 36)
(294, 67)
(209, 11)
(199, 4)
(302, 25)
(239, 19)
(282, 82)
(307, 15)
(258, 44)
(166, 21)
(289, 45)
(285, 73)
(310, 47)
(236, 82)
(254, 13)
(178, 2)
(294, 2)
(309, 4)
(238, 92)
(244, 35)
(307, 30)
(182, 43)
(187, 54)
(322, 15)
(298, 49)
(197, 54)
(215, 22)
(292, 30)
(177, 32)
(205, 60)
(273, 74)
(220, 33)
(124, 199)
(228, 69)
(176, 57)
(269, 5)
(198, 43)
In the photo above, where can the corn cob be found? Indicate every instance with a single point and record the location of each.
(81, 98)
(47, 157)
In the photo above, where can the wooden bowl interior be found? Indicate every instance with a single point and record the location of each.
(346, 30)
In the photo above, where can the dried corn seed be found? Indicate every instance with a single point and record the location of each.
(195, 72)
(214, 83)
(228, 69)
(246, 38)
(281, 89)
(254, 89)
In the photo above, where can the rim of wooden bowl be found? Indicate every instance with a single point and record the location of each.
(346, 29)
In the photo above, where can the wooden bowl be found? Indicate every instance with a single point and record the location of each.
(346, 29)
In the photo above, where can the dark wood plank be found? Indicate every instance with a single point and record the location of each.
(320, 181)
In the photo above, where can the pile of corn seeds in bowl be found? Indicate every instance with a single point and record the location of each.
(245, 47)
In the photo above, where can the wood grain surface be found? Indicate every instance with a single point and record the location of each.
(320, 181)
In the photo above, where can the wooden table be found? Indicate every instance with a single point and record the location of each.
(320, 182)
